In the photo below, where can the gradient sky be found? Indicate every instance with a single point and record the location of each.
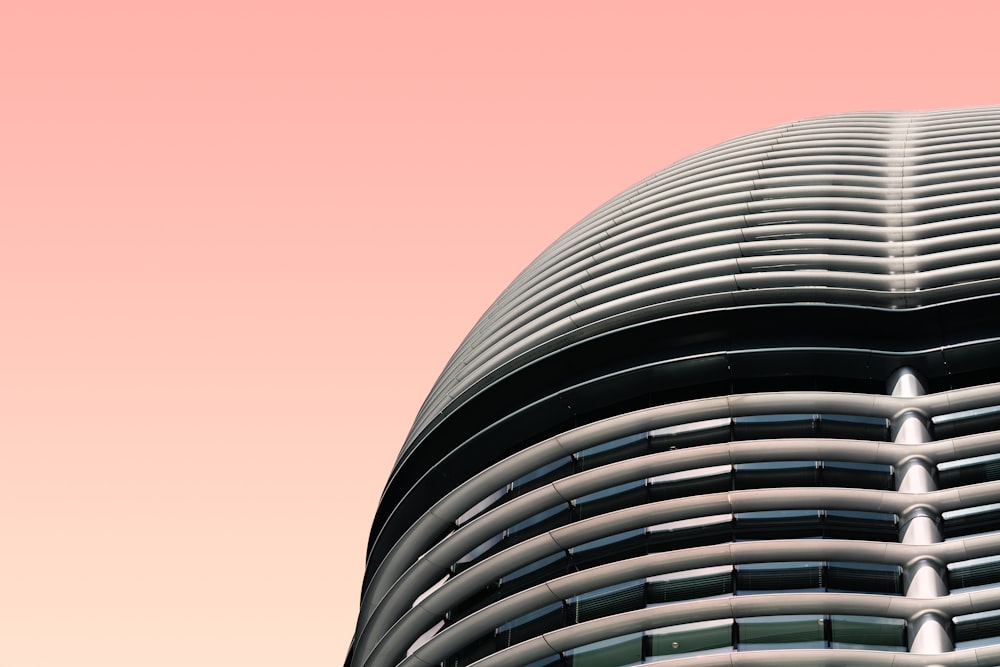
(239, 240)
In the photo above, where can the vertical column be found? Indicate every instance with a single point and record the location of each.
(923, 578)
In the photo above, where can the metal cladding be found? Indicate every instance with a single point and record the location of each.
(747, 412)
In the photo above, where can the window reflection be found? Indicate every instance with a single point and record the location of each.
(745, 634)
(813, 631)
(975, 573)
(772, 632)
(971, 521)
(971, 470)
(703, 637)
(979, 629)
(624, 651)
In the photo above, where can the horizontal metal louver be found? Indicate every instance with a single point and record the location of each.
(746, 412)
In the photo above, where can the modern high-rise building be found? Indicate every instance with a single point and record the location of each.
(745, 413)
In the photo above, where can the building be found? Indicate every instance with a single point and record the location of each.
(745, 413)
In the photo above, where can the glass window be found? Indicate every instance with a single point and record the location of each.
(969, 471)
(530, 625)
(965, 422)
(852, 426)
(702, 637)
(779, 577)
(540, 477)
(538, 523)
(773, 426)
(610, 499)
(977, 629)
(620, 546)
(616, 599)
(690, 435)
(695, 473)
(539, 570)
(713, 479)
(616, 450)
(548, 661)
(694, 532)
(775, 419)
(689, 585)
(694, 522)
(483, 597)
(622, 651)
(472, 652)
(965, 414)
(778, 524)
(774, 632)
(867, 632)
(974, 573)
(851, 525)
(610, 491)
(690, 427)
(773, 474)
(857, 475)
(865, 578)
(971, 520)
(606, 541)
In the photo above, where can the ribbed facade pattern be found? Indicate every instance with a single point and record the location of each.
(747, 412)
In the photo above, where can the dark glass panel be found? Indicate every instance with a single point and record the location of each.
(690, 392)
(774, 474)
(542, 476)
(969, 471)
(854, 427)
(967, 422)
(706, 432)
(472, 652)
(972, 521)
(481, 598)
(774, 426)
(668, 487)
(978, 572)
(690, 585)
(778, 524)
(771, 632)
(617, 599)
(555, 660)
(985, 372)
(775, 577)
(610, 452)
(542, 522)
(532, 624)
(857, 475)
(705, 636)
(867, 632)
(983, 625)
(692, 533)
(848, 525)
(468, 560)
(609, 500)
(620, 651)
(620, 546)
(543, 569)
(865, 578)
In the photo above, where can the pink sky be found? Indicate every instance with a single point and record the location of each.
(239, 240)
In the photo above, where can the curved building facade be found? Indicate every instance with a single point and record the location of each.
(747, 412)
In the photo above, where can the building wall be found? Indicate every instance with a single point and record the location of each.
(747, 405)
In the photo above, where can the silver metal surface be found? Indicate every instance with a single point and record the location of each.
(890, 213)
(922, 578)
